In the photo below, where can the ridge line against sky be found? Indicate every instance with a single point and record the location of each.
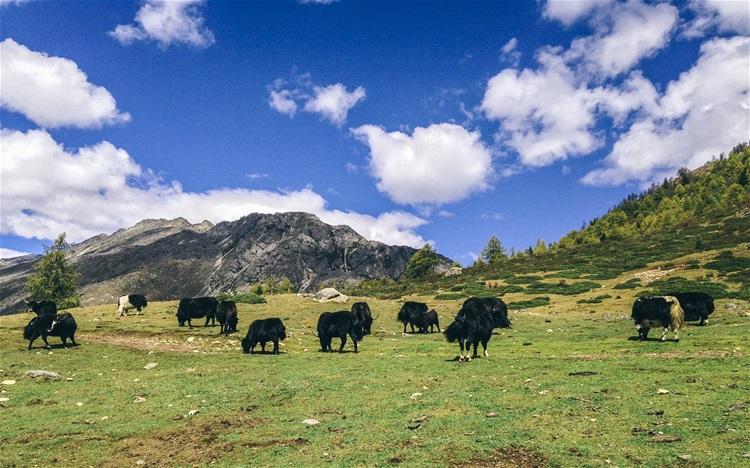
(439, 136)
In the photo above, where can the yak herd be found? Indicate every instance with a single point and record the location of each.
(474, 323)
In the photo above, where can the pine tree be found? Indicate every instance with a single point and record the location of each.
(422, 263)
(55, 279)
(494, 252)
(540, 248)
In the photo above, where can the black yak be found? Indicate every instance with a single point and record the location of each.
(697, 305)
(61, 325)
(429, 320)
(658, 311)
(42, 307)
(338, 325)
(474, 324)
(411, 313)
(190, 308)
(362, 313)
(226, 314)
(262, 331)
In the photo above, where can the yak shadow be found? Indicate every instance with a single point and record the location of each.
(55, 346)
(635, 338)
(265, 353)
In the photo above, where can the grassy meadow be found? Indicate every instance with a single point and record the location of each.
(564, 387)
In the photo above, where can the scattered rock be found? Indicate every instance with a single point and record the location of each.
(330, 295)
(657, 412)
(415, 395)
(582, 373)
(139, 399)
(453, 271)
(69, 379)
(80, 403)
(684, 457)
(662, 391)
(310, 422)
(491, 414)
(663, 438)
(3, 400)
(8, 382)
(737, 407)
(191, 339)
(192, 412)
(44, 374)
(746, 454)
(150, 365)
(416, 423)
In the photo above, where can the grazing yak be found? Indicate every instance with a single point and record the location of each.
(362, 313)
(411, 313)
(130, 302)
(474, 324)
(429, 320)
(262, 331)
(226, 314)
(61, 325)
(42, 307)
(197, 307)
(339, 325)
(658, 311)
(697, 305)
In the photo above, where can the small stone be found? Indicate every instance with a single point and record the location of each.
(79, 403)
(311, 422)
(662, 391)
(192, 412)
(661, 438)
(150, 365)
(491, 414)
(8, 382)
(140, 462)
(415, 395)
(69, 379)
(746, 454)
(139, 399)
(191, 339)
(684, 457)
(2, 400)
(104, 418)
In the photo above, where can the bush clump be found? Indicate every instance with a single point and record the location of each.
(529, 303)
(594, 300)
(244, 298)
(632, 283)
(679, 284)
(562, 287)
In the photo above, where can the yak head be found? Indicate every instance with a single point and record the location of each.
(246, 345)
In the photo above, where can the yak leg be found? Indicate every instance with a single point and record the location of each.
(207, 320)
(404, 328)
(275, 346)
(73, 340)
(461, 352)
(65, 341)
(34, 336)
(46, 344)
(664, 333)
(484, 345)
(356, 350)
(323, 347)
(343, 342)
(263, 346)
(676, 334)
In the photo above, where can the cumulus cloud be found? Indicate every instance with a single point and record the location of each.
(167, 22)
(48, 189)
(569, 11)
(10, 253)
(624, 35)
(12, 2)
(702, 113)
(333, 102)
(52, 91)
(438, 164)
(725, 15)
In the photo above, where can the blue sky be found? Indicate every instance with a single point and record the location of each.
(411, 122)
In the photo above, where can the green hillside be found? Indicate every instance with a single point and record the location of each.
(697, 222)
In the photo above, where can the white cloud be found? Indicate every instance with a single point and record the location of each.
(569, 11)
(48, 189)
(510, 53)
(10, 253)
(725, 15)
(509, 46)
(283, 102)
(12, 2)
(333, 102)
(167, 22)
(256, 175)
(438, 164)
(52, 91)
(624, 34)
(702, 113)
(495, 216)
(544, 114)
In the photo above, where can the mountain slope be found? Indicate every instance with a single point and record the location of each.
(168, 259)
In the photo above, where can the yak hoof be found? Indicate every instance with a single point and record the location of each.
(486, 354)
(468, 358)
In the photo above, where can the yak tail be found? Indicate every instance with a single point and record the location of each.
(676, 314)
(453, 332)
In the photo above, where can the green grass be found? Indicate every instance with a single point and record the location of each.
(250, 408)
(595, 300)
(562, 287)
(529, 303)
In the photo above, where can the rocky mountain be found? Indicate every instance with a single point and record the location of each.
(169, 259)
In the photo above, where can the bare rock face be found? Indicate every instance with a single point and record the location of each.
(169, 259)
